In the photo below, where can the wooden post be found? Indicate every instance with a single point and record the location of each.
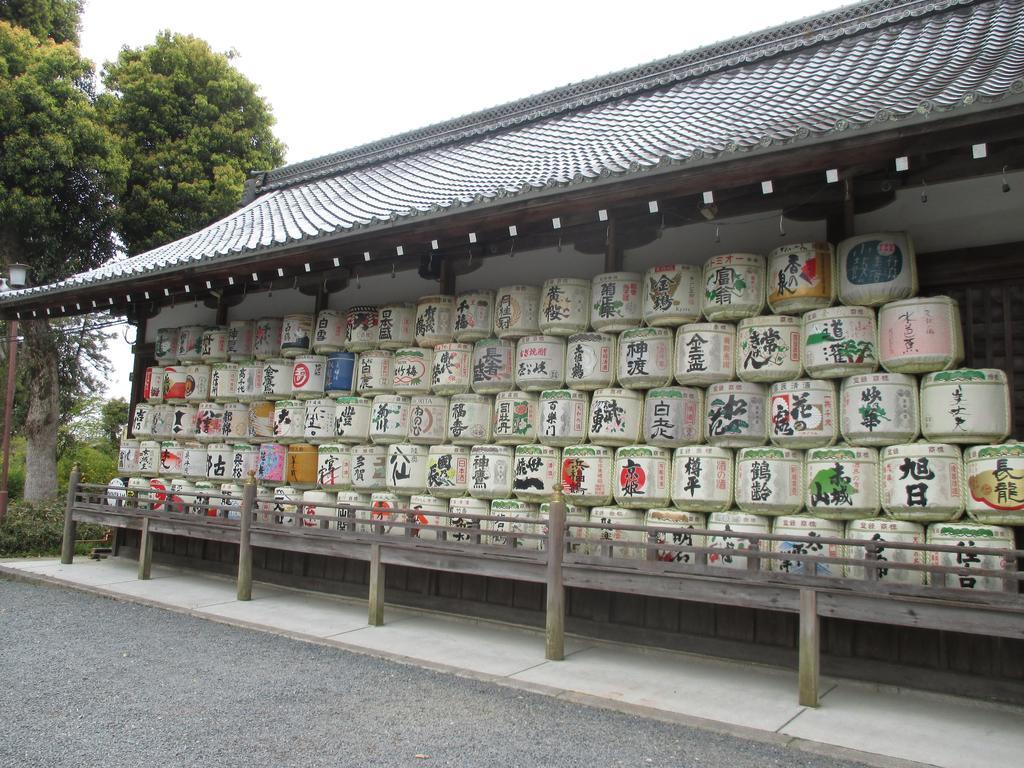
(67, 546)
(810, 648)
(612, 253)
(554, 631)
(1010, 582)
(753, 560)
(145, 550)
(376, 587)
(871, 562)
(244, 547)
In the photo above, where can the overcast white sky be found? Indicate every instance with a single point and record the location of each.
(339, 74)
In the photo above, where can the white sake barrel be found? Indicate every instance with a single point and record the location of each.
(641, 477)
(321, 504)
(839, 342)
(218, 461)
(733, 286)
(540, 363)
(339, 380)
(206, 494)
(474, 315)
(516, 308)
(966, 534)
(300, 465)
(368, 467)
(435, 320)
(153, 385)
(536, 472)
(214, 345)
(261, 421)
(811, 527)
(675, 528)
(357, 503)
(296, 335)
(232, 501)
(142, 420)
(190, 344)
(801, 276)
(573, 517)
(469, 419)
(515, 515)
(318, 426)
(879, 409)
(615, 541)
(490, 472)
(249, 380)
(183, 421)
(564, 306)
(183, 494)
(702, 478)
(672, 295)
(241, 335)
(197, 383)
(645, 358)
(128, 457)
(447, 470)
(734, 522)
(383, 516)
(138, 488)
(615, 301)
(735, 414)
(460, 509)
(361, 331)
(451, 369)
(590, 361)
(841, 483)
(429, 510)
(170, 458)
(266, 340)
(802, 413)
(428, 420)
(289, 421)
(769, 481)
(515, 418)
(411, 370)
(965, 406)
(995, 483)
(920, 335)
(210, 422)
(922, 482)
(587, 475)
(374, 372)
(286, 504)
(270, 469)
(493, 366)
(329, 332)
(245, 458)
(406, 470)
(615, 417)
(673, 416)
(876, 268)
(163, 420)
(334, 466)
(389, 419)
(396, 326)
(165, 347)
(149, 458)
(224, 382)
(563, 417)
(265, 503)
(879, 531)
(308, 376)
(277, 379)
(352, 419)
(175, 383)
(768, 348)
(705, 354)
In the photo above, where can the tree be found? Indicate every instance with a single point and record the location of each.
(192, 128)
(55, 19)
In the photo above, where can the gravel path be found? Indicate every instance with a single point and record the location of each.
(89, 681)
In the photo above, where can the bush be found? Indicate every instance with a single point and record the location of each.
(98, 463)
(33, 530)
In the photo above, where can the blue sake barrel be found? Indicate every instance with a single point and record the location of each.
(340, 366)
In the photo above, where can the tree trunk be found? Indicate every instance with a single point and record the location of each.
(39, 356)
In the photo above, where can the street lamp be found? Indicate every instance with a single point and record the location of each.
(17, 277)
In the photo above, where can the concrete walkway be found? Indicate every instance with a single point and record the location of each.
(879, 725)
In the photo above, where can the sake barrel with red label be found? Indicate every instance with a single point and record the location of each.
(435, 320)
(266, 341)
(296, 335)
(270, 468)
(515, 516)
(197, 383)
(673, 416)
(702, 478)
(490, 472)
(876, 268)
(300, 464)
(340, 377)
(218, 462)
(383, 516)
(516, 308)
(448, 470)
(428, 419)
(170, 458)
(334, 466)
(965, 406)
(922, 482)
(802, 414)
(411, 370)
(451, 369)
(321, 504)
(183, 421)
(428, 511)
(536, 472)
(615, 301)
(224, 382)
(249, 380)
(876, 532)
(705, 354)
(563, 417)
(406, 470)
(374, 372)
(396, 326)
(175, 383)
(735, 414)
(128, 457)
(964, 534)
(611, 541)
(840, 341)
(361, 331)
(210, 422)
(318, 425)
(241, 335)
(564, 306)
(245, 458)
(352, 419)
(920, 335)
(183, 494)
(799, 527)
(261, 420)
(841, 483)
(726, 545)
(236, 422)
(645, 358)
(289, 421)
(675, 528)
(733, 286)
(769, 481)
(142, 420)
(469, 419)
(163, 420)
(460, 509)
(768, 348)
(190, 344)
(329, 332)
(879, 409)
(587, 475)
(995, 483)
(149, 457)
(540, 363)
(474, 315)
(590, 361)
(277, 379)
(153, 385)
(515, 418)
(672, 295)
(493, 366)
(389, 419)
(214, 345)
(165, 347)
(801, 277)
(368, 467)
(308, 376)
(641, 477)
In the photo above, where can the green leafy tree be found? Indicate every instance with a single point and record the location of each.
(192, 128)
(56, 19)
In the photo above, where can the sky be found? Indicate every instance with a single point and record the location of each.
(340, 74)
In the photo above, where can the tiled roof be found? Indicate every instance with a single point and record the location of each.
(862, 66)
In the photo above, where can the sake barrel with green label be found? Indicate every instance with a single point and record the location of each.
(672, 294)
(841, 482)
(769, 481)
(879, 409)
(768, 348)
(516, 517)
(995, 483)
(735, 414)
(965, 534)
(922, 482)
(840, 341)
(800, 526)
(802, 414)
(702, 478)
(673, 416)
(876, 268)
(705, 354)
(733, 286)
(515, 418)
(965, 406)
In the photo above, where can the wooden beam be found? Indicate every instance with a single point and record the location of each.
(810, 648)
(67, 545)
(554, 627)
(244, 544)
(376, 618)
(146, 550)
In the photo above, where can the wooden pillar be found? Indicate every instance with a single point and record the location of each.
(142, 355)
(244, 547)
(612, 252)
(376, 618)
(840, 223)
(145, 550)
(447, 280)
(67, 546)
(554, 630)
(221, 318)
(810, 647)
(322, 296)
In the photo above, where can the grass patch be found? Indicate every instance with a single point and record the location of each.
(35, 530)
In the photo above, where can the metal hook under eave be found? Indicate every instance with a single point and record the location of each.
(512, 250)
(559, 245)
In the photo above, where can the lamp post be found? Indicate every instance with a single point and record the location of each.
(17, 278)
